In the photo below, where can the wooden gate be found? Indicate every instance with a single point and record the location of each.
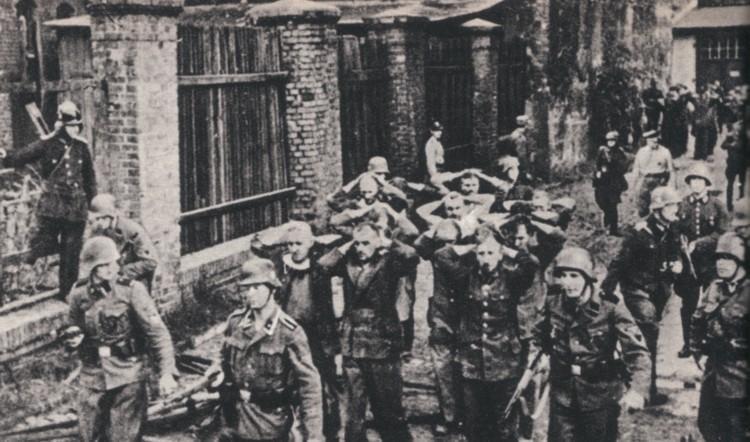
(363, 95)
(233, 149)
(512, 87)
(449, 90)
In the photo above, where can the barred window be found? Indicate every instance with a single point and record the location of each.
(722, 47)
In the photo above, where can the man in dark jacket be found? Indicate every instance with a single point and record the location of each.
(70, 184)
(371, 266)
(675, 123)
(653, 100)
(609, 180)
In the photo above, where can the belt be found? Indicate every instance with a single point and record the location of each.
(657, 174)
(266, 401)
(596, 372)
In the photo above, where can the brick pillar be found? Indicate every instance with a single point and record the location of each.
(6, 121)
(11, 65)
(407, 129)
(484, 49)
(135, 60)
(310, 55)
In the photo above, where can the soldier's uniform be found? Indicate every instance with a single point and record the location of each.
(138, 257)
(610, 182)
(120, 323)
(702, 220)
(656, 168)
(497, 312)
(585, 378)
(69, 184)
(642, 267)
(372, 337)
(519, 145)
(720, 331)
(266, 372)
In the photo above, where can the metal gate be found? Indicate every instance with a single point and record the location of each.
(512, 84)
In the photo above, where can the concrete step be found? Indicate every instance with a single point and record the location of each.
(26, 328)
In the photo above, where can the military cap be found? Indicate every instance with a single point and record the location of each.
(69, 114)
(436, 126)
(522, 120)
(378, 165)
(651, 134)
(612, 135)
(258, 271)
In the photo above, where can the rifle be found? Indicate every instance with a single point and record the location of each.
(686, 251)
(532, 369)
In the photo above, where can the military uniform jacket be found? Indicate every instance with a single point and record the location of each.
(611, 165)
(271, 370)
(581, 342)
(720, 330)
(497, 314)
(704, 216)
(371, 327)
(138, 258)
(66, 166)
(642, 262)
(119, 324)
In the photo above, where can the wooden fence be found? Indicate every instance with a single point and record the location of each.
(363, 84)
(233, 150)
(449, 91)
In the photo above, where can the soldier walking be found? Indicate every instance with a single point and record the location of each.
(498, 307)
(720, 331)
(118, 324)
(305, 295)
(266, 367)
(652, 167)
(702, 219)
(645, 268)
(609, 181)
(69, 185)
(371, 266)
(580, 329)
(137, 252)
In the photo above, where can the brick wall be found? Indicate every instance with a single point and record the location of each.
(10, 43)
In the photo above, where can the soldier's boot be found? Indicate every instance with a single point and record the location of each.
(655, 398)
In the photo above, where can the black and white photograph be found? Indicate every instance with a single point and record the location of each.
(374, 220)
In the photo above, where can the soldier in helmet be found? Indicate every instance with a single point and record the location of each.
(645, 268)
(119, 324)
(137, 253)
(652, 167)
(266, 366)
(720, 331)
(609, 180)
(702, 219)
(70, 184)
(579, 329)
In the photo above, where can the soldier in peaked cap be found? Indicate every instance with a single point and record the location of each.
(580, 329)
(720, 331)
(652, 167)
(266, 367)
(69, 185)
(702, 219)
(138, 258)
(645, 268)
(118, 323)
(609, 180)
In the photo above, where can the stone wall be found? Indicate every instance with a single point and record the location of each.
(10, 43)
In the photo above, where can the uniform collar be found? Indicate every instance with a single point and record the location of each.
(702, 198)
(271, 324)
(99, 289)
(732, 285)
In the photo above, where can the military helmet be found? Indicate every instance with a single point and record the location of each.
(378, 165)
(103, 205)
(69, 114)
(258, 271)
(612, 135)
(98, 250)
(436, 126)
(698, 170)
(576, 258)
(664, 196)
(733, 245)
(741, 216)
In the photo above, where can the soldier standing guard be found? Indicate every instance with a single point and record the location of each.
(496, 321)
(579, 330)
(702, 220)
(137, 252)
(609, 180)
(372, 337)
(645, 267)
(118, 323)
(652, 167)
(266, 366)
(70, 184)
(720, 331)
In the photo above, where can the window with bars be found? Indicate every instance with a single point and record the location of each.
(723, 47)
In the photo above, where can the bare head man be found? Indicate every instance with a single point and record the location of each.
(368, 189)
(489, 251)
(469, 184)
(366, 240)
(454, 205)
(299, 240)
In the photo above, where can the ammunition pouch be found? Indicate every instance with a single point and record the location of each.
(123, 349)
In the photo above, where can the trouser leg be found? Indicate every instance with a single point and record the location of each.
(645, 314)
(600, 425)
(385, 386)
(356, 404)
(476, 411)
(709, 421)
(93, 414)
(506, 429)
(71, 242)
(689, 294)
(561, 426)
(128, 412)
(45, 240)
(326, 366)
(444, 367)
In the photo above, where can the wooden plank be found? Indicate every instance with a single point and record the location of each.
(223, 79)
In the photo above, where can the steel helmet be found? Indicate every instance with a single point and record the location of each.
(69, 114)
(103, 205)
(578, 259)
(98, 250)
(733, 245)
(698, 170)
(741, 216)
(378, 165)
(436, 126)
(258, 271)
(664, 196)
